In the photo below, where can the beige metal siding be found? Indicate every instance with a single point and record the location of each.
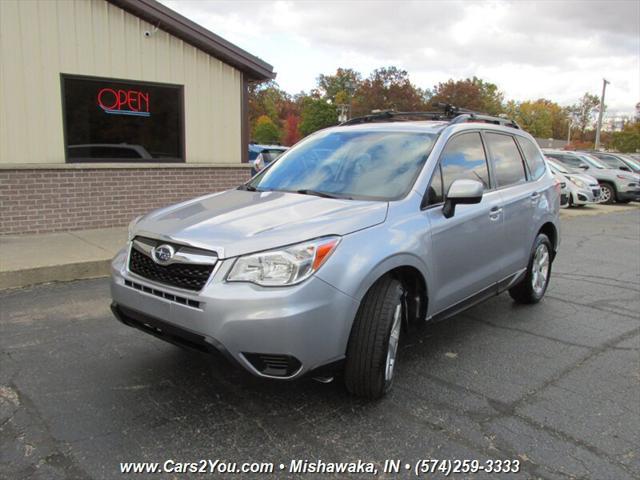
(40, 39)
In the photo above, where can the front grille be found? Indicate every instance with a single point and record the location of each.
(182, 275)
(596, 192)
(274, 365)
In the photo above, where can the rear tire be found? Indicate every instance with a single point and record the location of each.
(534, 285)
(373, 344)
(608, 193)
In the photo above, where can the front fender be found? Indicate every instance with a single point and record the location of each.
(363, 257)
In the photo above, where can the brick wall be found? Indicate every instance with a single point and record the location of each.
(53, 200)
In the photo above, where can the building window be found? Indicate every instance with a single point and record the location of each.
(110, 120)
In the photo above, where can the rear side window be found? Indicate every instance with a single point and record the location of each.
(507, 162)
(463, 157)
(533, 157)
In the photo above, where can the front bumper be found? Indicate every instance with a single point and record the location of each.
(584, 196)
(629, 195)
(302, 327)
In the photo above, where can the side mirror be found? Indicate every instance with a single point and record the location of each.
(462, 191)
(625, 168)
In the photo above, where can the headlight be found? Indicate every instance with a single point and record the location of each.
(286, 266)
(579, 183)
(130, 228)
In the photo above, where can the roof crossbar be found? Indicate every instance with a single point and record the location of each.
(449, 113)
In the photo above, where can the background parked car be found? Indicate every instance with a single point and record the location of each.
(582, 189)
(619, 161)
(261, 156)
(616, 185)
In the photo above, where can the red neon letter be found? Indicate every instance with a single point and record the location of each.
(145, 97)
(100, 97)
(132, 99)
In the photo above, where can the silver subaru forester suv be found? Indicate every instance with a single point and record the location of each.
(323, 259)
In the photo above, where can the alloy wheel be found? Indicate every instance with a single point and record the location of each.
(540, 269)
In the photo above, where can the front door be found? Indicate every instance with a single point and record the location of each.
(465, 250)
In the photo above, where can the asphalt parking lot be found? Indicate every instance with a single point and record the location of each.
(556, 385)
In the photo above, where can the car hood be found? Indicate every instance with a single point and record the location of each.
(588, 179)
(237, 222)
(609, 174)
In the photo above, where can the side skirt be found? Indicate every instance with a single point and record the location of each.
(479, 297)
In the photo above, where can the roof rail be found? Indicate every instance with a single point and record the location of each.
(390, 114)
(449, 113)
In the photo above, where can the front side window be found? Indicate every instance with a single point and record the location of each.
(507, 162)
(110, 120)
(368, 165)
(533, 157)
(462, 158)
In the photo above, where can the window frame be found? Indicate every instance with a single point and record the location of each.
(181, 110)
(491, 160)
(438, 168)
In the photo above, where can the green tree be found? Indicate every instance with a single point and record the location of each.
(628, 140)
(266, 131)
(472, 93)
(339, 88)
(317, 113)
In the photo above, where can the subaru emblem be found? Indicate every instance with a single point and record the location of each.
(162, 254)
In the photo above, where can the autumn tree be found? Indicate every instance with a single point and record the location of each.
(387, 88)
(472, 93)
(268, 99)
(316, 114)
(291, 132)
(265, 130)
(584, 111)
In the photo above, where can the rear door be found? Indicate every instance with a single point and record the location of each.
(465, 254)
(520, 199)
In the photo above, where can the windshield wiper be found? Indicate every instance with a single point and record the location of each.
(248, 187)
(306, 191)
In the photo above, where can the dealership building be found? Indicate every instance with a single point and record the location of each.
(111, 108)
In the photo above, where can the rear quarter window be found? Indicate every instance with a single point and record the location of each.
(533, 157)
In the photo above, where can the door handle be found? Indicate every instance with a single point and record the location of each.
(535, 196)
(495, 212)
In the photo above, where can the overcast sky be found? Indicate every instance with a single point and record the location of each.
(530, 49)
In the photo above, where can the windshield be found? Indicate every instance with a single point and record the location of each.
(593, 161)
(557, 166)
(374, 165)
(632, 161)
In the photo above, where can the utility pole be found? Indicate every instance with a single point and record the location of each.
(601, 113)
(569, 124)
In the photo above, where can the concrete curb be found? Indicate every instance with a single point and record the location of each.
(55, 273)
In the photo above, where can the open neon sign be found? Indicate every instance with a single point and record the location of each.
(124, 102)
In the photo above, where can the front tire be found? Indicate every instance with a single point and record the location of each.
(608, 193)
(373, 344)
(534, 285)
